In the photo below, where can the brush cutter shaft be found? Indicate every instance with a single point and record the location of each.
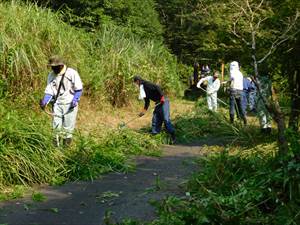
(217, 98)
(55, 115)
(129, 121)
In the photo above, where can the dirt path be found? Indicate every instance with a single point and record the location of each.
(121, 195)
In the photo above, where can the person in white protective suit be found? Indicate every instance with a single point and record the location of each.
(213, 85)
(63, 90)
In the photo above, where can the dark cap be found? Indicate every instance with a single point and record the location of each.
(137, 78)
(55, 61)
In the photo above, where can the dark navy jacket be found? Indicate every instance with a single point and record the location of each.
(153, 92)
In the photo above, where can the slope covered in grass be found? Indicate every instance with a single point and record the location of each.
(107, 59)
(28, 157)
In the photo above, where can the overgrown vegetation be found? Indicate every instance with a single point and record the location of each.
(106, 59)
(203, 124)
(237, 189)
(241, 180)
(140, 18)
(28, 156)
(244, 182)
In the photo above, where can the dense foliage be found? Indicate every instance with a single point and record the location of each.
(106, 59)
(201, 30)
(141, 17)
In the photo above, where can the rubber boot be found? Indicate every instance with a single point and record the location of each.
(67, 142)
(173, 138)
(231, 118)
(245, 120)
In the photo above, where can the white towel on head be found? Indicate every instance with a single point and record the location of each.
(142, 92)
(236, 76)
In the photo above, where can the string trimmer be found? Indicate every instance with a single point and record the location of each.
(124, 124)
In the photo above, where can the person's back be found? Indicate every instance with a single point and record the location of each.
(236, 76)
(237, 101)
(161, 114)
(153, 91)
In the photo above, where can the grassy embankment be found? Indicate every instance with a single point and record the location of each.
(106, 60)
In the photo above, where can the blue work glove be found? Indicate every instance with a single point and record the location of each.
(45, 100)
(76, 98)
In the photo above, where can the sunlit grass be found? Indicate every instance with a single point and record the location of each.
(106, 59)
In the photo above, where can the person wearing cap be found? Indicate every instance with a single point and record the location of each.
(63, 90)
(213, 85)
(236, 93)
(161, 114)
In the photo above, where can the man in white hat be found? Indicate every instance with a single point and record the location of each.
(63, 90)
(236, 93)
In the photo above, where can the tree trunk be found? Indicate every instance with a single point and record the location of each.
(295, 102)
(272, 106)
(278, 116)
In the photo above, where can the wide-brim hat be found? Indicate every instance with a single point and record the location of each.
(55, 61)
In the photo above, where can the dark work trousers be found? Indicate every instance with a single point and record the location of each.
(245, 98)
(237, 104)
(161, 114)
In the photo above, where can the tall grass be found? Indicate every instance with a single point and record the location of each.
(28, 157)
(106, 59)
(231, 189)
(202, 123)
(96, 155)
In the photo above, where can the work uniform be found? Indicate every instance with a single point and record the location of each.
(64, 114)
(213, 86)
(265, 118)
(246, 92)
(236, 93)
(252, 97)
(161, 113)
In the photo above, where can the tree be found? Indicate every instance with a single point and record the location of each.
(253, 26)
(257, 31)
(140, 17)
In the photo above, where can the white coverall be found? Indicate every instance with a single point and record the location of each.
(213, 86)
(64, 119)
